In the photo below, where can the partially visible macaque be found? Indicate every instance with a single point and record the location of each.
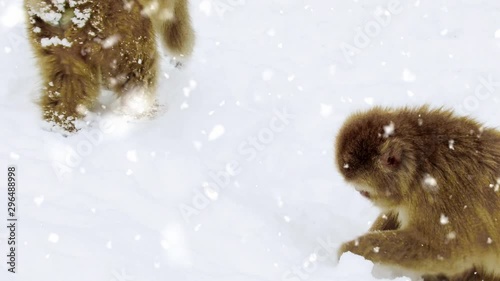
(83, 45)
(436, 178)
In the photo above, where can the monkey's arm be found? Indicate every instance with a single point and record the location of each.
(385, 221)
(402, 248)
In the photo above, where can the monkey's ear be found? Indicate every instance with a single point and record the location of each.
(391, 155)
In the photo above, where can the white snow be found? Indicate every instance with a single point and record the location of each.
(110, 41)
(430, 183)
(326, 110)
(211, 193)
(267, 75)
(451, 144)
(443, 219)
(14, 156)
(81, 109)
(38, 200)
(217, 131)
(12, 16)
(262, 169)
(53, 238)
(73, 3)
(408, 75)
(132, 155)
(55, 41)
(205, 7)
(137, 102)
(47, 15)
(81, 17)
(389, 129)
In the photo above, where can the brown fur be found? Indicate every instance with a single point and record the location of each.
(115, 48)
(449, 230)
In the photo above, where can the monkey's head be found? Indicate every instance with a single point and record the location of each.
(373, 155)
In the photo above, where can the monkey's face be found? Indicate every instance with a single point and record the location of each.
(375, 159)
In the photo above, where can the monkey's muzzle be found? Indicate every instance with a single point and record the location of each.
(363, 190)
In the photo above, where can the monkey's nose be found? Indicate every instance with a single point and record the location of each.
(365, 194)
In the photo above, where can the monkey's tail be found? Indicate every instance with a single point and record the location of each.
(173, 23)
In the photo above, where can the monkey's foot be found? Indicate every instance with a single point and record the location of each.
(137, 104)
(60, 120)
(61, 116)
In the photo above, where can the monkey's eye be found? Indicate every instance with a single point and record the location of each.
(392, 161)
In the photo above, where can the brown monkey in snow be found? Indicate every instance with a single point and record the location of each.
(82, 45)
(436, 178)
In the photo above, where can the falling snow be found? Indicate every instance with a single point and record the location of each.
(216, 132)
(408, 75)
(53, 238)
(443, 219)
(132, 155)
(326, 110)
(109, 197)
(430, 183)
(389, 130)
(451, 144)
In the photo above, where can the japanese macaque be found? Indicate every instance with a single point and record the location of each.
(83, 45)
(436, 178)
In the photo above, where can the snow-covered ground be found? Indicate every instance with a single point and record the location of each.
(235, 180)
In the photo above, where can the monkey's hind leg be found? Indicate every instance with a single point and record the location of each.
(70, 88)
(178, 34)
(469, 275)
(137, 96)
(474, 275)
(437, 278)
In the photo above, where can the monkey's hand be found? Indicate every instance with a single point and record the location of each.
(401, 248)
(385, 221)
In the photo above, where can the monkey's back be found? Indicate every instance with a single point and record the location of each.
(109, 37)
(464, 159)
